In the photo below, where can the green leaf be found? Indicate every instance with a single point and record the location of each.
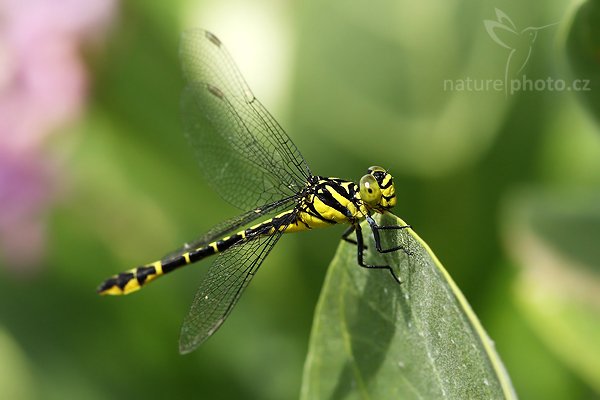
(375, 339)
(554, 237)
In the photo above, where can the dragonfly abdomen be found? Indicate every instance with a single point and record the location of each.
(136, 278)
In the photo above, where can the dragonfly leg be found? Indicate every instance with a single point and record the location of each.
(360, 255)
(347, 233)
(376, 228)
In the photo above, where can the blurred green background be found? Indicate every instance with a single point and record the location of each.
(503, 187)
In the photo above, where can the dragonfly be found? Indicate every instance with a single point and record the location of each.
(253, 164)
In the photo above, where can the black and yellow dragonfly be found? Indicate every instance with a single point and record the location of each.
(252, 164)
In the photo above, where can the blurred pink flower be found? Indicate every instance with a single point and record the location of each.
(43, 85)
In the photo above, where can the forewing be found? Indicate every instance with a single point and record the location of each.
(243, 152)
(220, 290)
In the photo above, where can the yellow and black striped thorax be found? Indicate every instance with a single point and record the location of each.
(329, 201)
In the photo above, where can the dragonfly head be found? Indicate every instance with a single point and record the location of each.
(377, 189)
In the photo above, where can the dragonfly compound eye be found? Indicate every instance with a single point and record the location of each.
(370, 192)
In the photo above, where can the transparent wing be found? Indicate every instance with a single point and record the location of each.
(233, 225)
(244, 153)
(220, 290)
